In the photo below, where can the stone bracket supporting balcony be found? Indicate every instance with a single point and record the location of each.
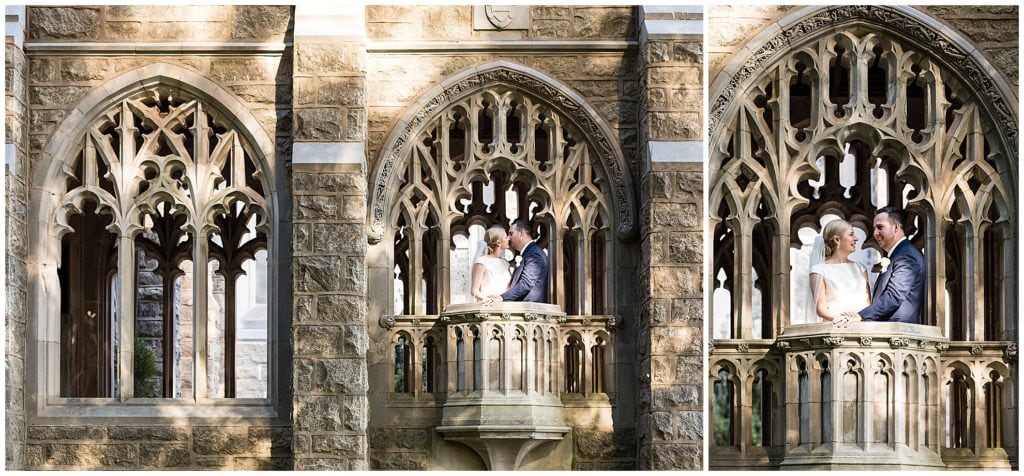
(503, 447)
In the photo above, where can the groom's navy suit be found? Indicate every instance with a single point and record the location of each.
(530, 280)
(899, 291)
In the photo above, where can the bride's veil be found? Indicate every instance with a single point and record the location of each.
(810, 302)
(481, 249)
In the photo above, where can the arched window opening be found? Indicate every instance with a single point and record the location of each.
(955, 248)
(877, 83)
(851, 403)
(460, 361)
(992, 281)
(598, 362)
(912, 409)
(826, 401)
(722, 411)
(959, 411)
(916, 105)
(478, 361)
(403, 365)
(88, 306)
(994, 411)
(804, 402)
(800, 101)
(574, 365)
(430, 370)
(517, 361)
(882, 404)
(839, 81)
(496, 361)
(761, 406)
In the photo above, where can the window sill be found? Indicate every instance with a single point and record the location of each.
(65, 411)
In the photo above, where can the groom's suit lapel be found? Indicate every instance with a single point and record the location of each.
(883, 279)
(519, 269)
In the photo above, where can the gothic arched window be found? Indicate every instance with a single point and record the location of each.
(840, 124)
(494, 145)
(161, 230)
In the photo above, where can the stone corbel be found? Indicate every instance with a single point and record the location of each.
(613, 323)
(386, 322)
(782, 345)
(1010, 352)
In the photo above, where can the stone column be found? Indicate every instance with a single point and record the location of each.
(16, 182)
(329, 334)
(670, 417)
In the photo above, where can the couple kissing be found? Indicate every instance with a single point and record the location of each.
(490, 279)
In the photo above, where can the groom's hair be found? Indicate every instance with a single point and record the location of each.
(523, 225)
(895, 215)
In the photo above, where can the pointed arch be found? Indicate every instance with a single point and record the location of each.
(570, 105)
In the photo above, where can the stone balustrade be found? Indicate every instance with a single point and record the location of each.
(878, 395)
(497, 374)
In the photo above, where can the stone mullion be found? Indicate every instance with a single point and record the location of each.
(200, 299)
(899, 426)
(936, 261)
(414, 292)
(1008, 283)
(169, 340)
(742, 267)
(976, 282)
(791, 410)
(980, 416)
(781, 278)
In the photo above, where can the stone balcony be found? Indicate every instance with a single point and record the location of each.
(510, 376)
(871, 395)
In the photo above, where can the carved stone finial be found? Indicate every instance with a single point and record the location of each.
(386, 322)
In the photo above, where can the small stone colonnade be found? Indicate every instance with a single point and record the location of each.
(900, 396)
(501, 370)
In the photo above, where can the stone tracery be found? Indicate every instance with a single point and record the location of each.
(842, 121)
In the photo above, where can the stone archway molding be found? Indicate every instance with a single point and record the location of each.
(951, 49)
(48, 178)
(384, 182)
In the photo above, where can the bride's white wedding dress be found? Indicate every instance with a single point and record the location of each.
(846, 285)
(496, 275)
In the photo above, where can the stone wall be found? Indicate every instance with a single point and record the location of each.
(329, 339)
(219, 447)
(994, 29)
(58, 77)
(16, 181)
(670, 416)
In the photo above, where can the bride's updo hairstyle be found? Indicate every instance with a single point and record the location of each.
(831, 234)
(493, 235)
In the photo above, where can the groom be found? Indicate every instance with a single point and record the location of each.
(899, 291)
(530, 280)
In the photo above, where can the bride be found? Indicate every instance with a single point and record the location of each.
(490, 271)
(838, 285)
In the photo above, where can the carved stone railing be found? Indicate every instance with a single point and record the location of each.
(872, 395)
(508, 375)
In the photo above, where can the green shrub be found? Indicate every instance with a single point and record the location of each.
(145, 371)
